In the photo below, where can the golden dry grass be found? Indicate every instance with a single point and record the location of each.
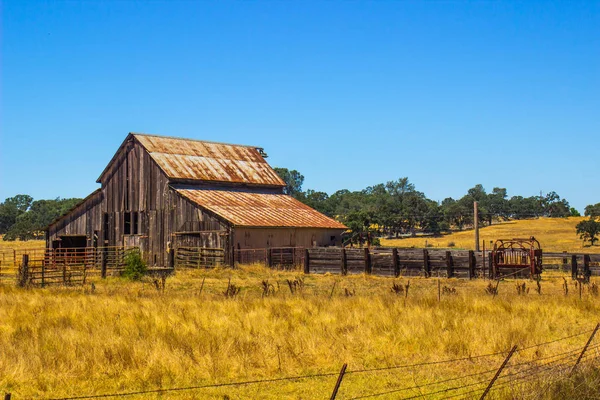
(18, 244)
(554, 234)
(126, 336)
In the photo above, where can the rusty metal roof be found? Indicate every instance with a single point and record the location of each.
(243, 208)
(195, 160)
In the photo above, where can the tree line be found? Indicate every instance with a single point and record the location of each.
(387, 209)
(397, 208)
(23, 218)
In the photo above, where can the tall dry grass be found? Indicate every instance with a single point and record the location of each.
(554, 234)
(124, 336)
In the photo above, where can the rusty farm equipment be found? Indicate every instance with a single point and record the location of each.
(516, 257)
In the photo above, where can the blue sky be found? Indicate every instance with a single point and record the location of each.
(449, 94)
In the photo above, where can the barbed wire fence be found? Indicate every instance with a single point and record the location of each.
(509, 376)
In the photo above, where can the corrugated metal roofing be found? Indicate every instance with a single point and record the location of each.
(259, 209)
(194, 160)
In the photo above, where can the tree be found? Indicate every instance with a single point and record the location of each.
(588, 230)
(593, 210)
(293, 180)
(29, 224)
(554, 206)
(11, 209)
(574, 212)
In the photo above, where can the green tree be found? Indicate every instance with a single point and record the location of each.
(588, 230)
(11, 209)
(31, 223)
(593, 210)
(293, 180)
(574, 213)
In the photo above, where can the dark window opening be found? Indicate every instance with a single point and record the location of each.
(135, 219)
(333, 238)
(131, 223)
(106, 227)
(127, 226)
(73, 241)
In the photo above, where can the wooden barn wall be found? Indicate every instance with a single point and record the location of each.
(191, 226)
(83, 220)
(134, 183)
(247, 238)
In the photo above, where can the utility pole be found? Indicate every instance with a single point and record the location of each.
(476, 225)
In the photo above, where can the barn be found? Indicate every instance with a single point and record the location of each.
(159, 193)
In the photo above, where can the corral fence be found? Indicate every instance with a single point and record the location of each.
(196, 257)
(202, 257)
(44, 267)
(273, 257)
(72, 266)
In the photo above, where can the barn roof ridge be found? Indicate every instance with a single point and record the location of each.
(182, 159)
(195, 140)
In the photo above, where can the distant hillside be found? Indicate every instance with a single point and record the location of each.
(554, 234)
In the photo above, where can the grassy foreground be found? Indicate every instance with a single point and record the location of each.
(554, 234)
(127, 336)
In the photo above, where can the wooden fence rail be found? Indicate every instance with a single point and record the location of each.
(64, 266)
(73, 266)
(466, 264)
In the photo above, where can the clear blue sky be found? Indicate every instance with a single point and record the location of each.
(351, 94)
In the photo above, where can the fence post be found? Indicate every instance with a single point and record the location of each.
(490, 265)
(344, 266)
(586, 268)
(103, 262)
(339, 382)
(585, 347)
(472, 263)
(24, 271)
(395, 262)
(43, 273)
(270, 257)
(449, 265)
(489, 387)
(426, 263)
(171, 261)
(306, 262)
(564, 260)
(367, 261)
(574, 266)
(7, 396)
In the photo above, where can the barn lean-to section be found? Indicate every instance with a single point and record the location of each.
(159, 193)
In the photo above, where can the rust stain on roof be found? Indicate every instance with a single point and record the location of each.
(259, 209)
(188, 159)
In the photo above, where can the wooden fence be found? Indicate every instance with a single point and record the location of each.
(273, 257)
(425, 262)
(197, 257)
(73, 266)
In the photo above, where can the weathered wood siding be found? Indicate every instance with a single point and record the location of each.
(134, 183)
(83, 220)
(249, 238)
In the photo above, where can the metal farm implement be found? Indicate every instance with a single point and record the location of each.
(519, 257)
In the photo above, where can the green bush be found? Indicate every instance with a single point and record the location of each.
(135, 267)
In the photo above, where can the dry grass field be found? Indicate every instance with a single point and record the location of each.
(554, 234)
(17, 244)
(126, 336)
